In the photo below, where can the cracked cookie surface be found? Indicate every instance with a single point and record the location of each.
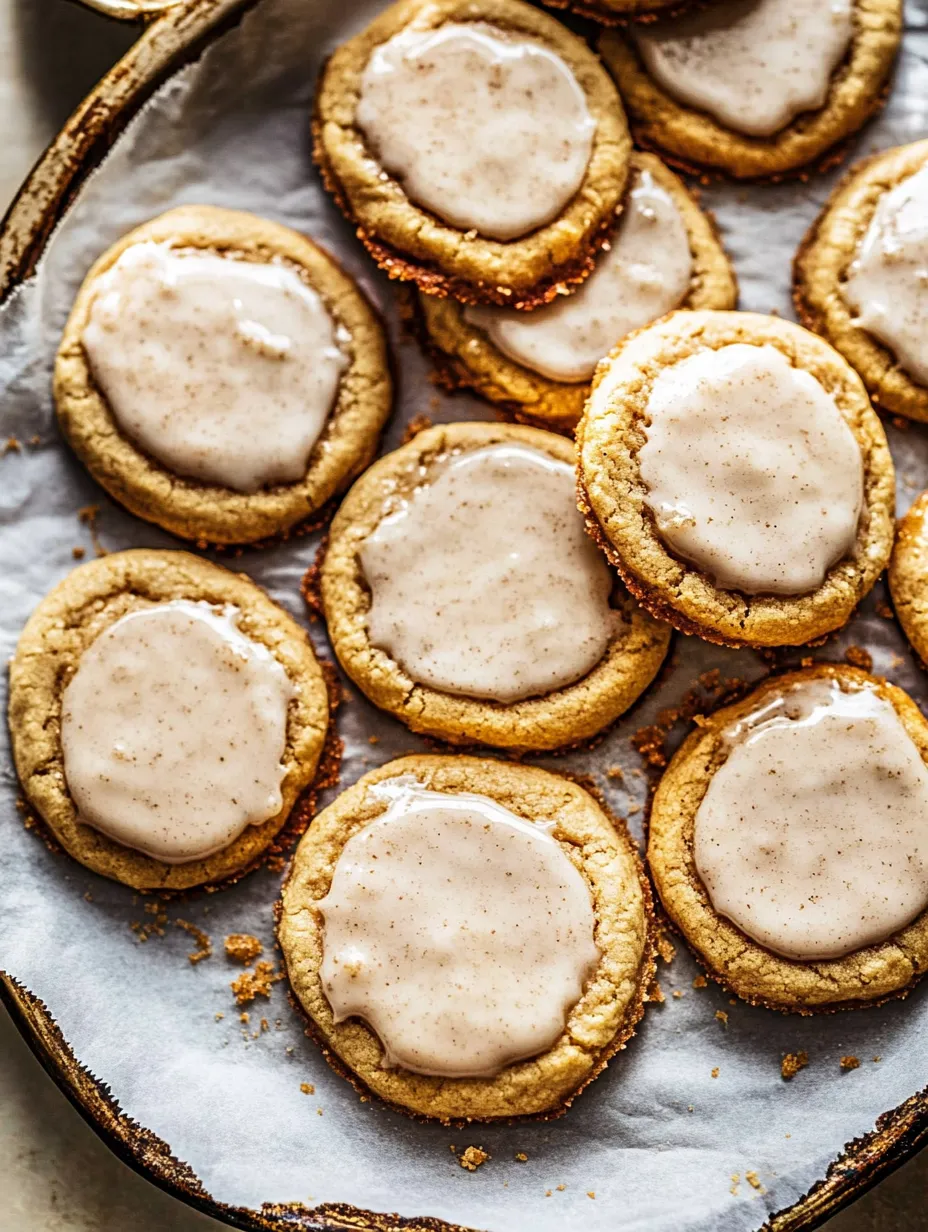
(91, 599)
(413, 244)
(563, 717)
(748, 969)
(821, 266)
(203, 511)
(698, 142)
(465, 355)
(613, 494)
(598, 1025)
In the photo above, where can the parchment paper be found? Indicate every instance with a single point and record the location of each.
(657, 1138)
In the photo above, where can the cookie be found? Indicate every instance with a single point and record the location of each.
(218, 423)
(766, 531)
(774, 90)
(784, 845)
(876, 324)
(908, 576)
(90, 672)
(480, 149)
(564, 990)
(537, 366)
(620, 12)
(461, 598)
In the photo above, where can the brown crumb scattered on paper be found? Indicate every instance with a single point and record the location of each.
(876, 1060)
(548, 1193)
(754, 1181)
(473, 1157)
(591, 1193)
(560, 1188)
(715, 1072)
(677, 994)
(12, 445)
(850, 1062)
(700, 982)
(78, 553)
(417, 424)
(204, 944)
(858, 657)
(901, 424)
(649, 742)
(88, 516)
(308, 1089)
(655, 994)
(792, 1063)
(243, 948)
(318, 1112)
(883, 609)
(722, 1016)
(615, 772)
(521, 1157)
(665, 947)
(257, 983)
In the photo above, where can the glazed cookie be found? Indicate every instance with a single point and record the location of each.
(478, 145)
(537, 365)
(462, 596)
(620, 12)
(786, 841)
(165, 715)
(470, 938)
(733, 470)
(908, 576)
(859, 276)
(756, 88)
(221, 376)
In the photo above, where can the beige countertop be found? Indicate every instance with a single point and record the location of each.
(55, 1174)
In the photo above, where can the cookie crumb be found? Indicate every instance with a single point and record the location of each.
(87, 516)
(858, 657)
(308, 1089)
(591, 1193)
(257, 983)
(700, 982)
(417, 424)
(655, 994)
(792, 1063)
(876, 1060)
(850, 1062)
(722, 1016)
(472, 1157)
(244, 1016)
(665, 947)
(521, 1157)
(677, 994)
(12, 445)
(219, 1016)
(243, 948)
(715, 1072)
(560, 1188)
(735, 1178)
(754, 1181)
(615, 772)
(883, 609)
(204, 944)
(318, 1112)
(78, 553)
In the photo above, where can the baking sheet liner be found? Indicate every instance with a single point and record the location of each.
(692, 1103)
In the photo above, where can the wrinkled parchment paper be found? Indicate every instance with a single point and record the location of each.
(657, 1138)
